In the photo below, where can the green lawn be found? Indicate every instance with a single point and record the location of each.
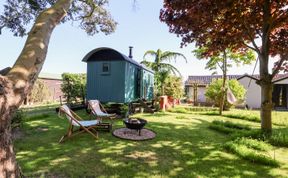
(185, 146)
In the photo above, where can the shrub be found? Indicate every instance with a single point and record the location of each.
(173, 87)
(74, 86)
(213, 94)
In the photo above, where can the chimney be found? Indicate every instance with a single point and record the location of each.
(130, 52)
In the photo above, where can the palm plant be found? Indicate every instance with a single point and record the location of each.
(159, 61)
(162, 69)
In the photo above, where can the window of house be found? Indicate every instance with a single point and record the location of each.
(105, 68)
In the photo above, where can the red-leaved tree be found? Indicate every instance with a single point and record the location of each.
(260, 25)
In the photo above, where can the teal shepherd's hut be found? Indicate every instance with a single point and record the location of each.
(114, 77)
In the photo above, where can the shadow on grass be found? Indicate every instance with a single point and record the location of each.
(180, 149)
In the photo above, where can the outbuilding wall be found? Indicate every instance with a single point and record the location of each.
(253, 92)
(106, 87)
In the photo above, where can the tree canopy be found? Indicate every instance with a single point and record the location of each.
(240, 26)
(224, 59)
(160, 59)
(91, 15)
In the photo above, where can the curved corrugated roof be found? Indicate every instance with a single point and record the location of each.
(120, 55)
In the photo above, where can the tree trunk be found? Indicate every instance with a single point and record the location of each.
(8, 164)
(16, 85)
(266, 106)
(265, 77)
(266, 95)
(162, 89)
(223, 89)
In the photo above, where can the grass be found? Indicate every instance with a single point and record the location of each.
(279, 138)
(280, 118)
(185, 109)
(250, 150)
(254, 144)
(184, 147)
(231, 125)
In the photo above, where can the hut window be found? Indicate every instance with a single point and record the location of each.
(105, 68)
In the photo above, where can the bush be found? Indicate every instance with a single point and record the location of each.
(74, 87)
(173, 87)
(213, 91)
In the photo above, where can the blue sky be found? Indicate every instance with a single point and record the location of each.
(138, 26)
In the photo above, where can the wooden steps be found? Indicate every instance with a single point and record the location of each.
(142, 105)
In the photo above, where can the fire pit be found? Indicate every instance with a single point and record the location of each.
(135, 124)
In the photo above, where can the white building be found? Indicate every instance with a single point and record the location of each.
(195, 88)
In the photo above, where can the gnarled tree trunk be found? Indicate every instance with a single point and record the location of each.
(15, 86)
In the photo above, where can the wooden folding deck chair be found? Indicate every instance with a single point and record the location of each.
(74, 120)
(99, 111)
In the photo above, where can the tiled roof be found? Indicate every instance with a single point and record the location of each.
(50, 76)
(207, 79)
(280, 77)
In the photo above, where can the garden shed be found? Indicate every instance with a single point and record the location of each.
(114, 77)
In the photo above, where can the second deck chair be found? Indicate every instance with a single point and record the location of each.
(75, 120)
(98, 110)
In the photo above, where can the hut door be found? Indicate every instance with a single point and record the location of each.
(138, 84)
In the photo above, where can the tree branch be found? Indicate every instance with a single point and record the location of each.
(250, 47)
(279, 65)
(28, 65)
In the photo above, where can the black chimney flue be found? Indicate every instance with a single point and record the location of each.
(130, 52)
